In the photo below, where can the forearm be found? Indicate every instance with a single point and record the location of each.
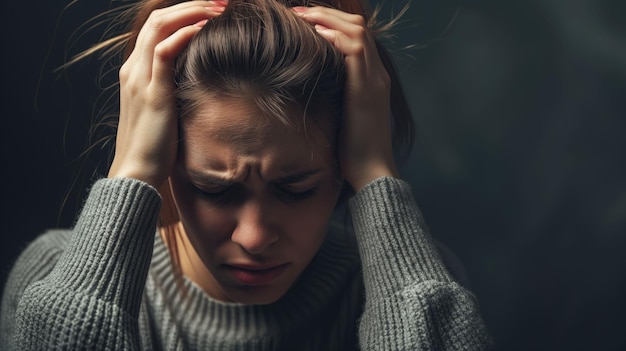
(91, 299)
(412, 302)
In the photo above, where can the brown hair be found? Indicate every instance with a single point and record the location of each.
(262, 51)
(130, 18)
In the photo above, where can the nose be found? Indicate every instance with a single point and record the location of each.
(253, 231)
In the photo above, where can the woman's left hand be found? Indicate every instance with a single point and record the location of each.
(365, 148)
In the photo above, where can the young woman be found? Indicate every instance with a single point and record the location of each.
(242, 126)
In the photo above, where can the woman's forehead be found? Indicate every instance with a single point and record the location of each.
(233, 153)
(240, 124)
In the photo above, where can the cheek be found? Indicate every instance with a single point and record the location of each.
(308, 223)
(204, 225)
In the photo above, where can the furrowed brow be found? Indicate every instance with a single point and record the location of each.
(209, 179)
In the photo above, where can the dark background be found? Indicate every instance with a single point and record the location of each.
(520, 166)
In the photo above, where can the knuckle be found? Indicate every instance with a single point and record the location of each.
(160, 52)
(128, 83)
(360, 32)
(358, 20)
(156, 20)
(124, 72)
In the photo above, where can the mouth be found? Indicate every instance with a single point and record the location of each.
(256, 275)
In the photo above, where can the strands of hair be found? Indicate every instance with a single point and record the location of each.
(313, 87)
(265, 53)
(124, 21)
(262, 52)
(285, 64)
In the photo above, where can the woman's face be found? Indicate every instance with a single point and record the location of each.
(254, 198)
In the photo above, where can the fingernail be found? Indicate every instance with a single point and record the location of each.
(299, 9)
(216, 8)
(320, 28)
(201, 23)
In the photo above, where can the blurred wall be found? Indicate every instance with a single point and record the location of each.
(520, 165)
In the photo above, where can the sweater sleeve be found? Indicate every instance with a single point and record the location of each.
(90, 300)
(412, 302)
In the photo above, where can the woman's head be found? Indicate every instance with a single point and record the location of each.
(260, 99)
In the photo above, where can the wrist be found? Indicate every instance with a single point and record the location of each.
(360, 179)
(141, 175)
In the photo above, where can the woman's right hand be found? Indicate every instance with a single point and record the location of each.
(147, 134)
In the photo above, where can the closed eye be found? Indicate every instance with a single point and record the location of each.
(290, 195)
(217, 195)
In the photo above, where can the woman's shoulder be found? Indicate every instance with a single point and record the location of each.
(44, 247)
(53, 239)
(37, 259)
(33, 264)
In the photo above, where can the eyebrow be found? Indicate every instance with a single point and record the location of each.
(209, 179)
(297, 177)
(221, 181)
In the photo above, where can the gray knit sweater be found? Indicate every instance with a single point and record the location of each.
(108, 285)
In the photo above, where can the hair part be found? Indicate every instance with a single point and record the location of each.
(262, 52)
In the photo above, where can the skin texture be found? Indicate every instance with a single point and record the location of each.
(365, 148)
(259, 227)
(148, 126)
(235, 205)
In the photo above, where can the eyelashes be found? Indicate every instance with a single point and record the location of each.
(291, 196)
(217, 197)
(234, 194)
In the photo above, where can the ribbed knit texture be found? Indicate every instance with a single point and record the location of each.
(326, 301)
(92, 295)
(412, 303)
(108, 285)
